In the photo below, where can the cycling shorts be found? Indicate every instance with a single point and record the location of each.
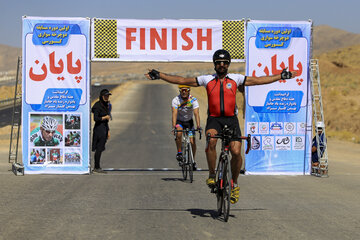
(186, 124)
(218, 124)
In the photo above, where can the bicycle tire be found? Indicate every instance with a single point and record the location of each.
(219, 194)
(226, 191)
(184, 164)
(184, 170)
(190, 163)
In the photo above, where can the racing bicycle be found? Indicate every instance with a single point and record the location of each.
(187, 162)
(224, 183)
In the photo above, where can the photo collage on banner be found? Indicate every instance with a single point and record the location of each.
(56, 102)
(55, 139)
(277, 114)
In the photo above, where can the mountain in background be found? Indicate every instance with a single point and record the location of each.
(8, 58)
(326, 38)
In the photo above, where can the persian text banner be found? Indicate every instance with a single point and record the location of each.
(56, 99)
(277, 114)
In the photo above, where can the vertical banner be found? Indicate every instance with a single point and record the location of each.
(56, 100)
(277, 114)
(165, 39)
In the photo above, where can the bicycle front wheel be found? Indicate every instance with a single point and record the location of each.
(190, 163)
(219, 190)
(184, 165)
(226, 191)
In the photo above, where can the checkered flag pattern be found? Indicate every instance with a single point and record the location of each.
(233, 38)
(105, 45)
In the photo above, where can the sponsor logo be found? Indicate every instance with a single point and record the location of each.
(298, 143)
(228, 85)
(289, 127)
(282, 143)
(255, 143)
(263, 127)
(276, 126)
(301, 128)
(268, 143)
(285, 140)
(252, 127)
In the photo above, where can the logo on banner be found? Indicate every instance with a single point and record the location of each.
(268, 143)
(252, 127)
(276, 128)
(263, 128)
(282, 143)
(298, 142)
(255, 143)
(289, 128)
(301, 128)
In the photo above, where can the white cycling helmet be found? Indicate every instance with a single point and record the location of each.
(320, 124)
(49, 123)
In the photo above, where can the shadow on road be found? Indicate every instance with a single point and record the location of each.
(174, 180)
(205, 213)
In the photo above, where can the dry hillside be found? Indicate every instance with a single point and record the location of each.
(326, 38)
(8, 58)
(339, 73)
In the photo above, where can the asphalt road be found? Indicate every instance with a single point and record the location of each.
(159, 205)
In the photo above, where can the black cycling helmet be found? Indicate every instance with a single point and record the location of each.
(221, 54)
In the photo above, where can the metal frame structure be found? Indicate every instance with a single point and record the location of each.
(17, 167)
(318, 116)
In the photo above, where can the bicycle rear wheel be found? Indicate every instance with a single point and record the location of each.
(226, 191)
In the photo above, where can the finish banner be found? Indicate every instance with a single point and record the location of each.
(56, 99)
(165, 40)
(277, 114)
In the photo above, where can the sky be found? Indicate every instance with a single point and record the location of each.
(342, 14)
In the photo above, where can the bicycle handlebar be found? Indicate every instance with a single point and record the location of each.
(227, 134)
(188, 130)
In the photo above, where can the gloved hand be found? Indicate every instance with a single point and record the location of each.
(154, 74)
(286, 74)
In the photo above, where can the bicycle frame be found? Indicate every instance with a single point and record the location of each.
(188, 157)
(224, 183)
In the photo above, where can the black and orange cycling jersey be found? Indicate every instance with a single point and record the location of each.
(221, 94)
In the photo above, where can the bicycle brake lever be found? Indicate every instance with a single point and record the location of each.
(248, 140)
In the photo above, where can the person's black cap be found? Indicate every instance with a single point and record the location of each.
(104, 92)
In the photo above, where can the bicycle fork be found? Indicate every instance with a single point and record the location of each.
(221, 171)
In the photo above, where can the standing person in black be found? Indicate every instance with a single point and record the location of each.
(101, 132)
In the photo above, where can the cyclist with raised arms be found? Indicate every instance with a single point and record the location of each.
(184, 106)
(221, 91)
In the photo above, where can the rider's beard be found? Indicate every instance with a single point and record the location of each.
(221, 71)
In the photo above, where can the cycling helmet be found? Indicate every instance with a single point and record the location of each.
(320, 124)
(184, 86)
(49, 123)
(221, 54)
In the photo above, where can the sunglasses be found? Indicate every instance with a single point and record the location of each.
(48, 132)
(225, 62)
(184, 90)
